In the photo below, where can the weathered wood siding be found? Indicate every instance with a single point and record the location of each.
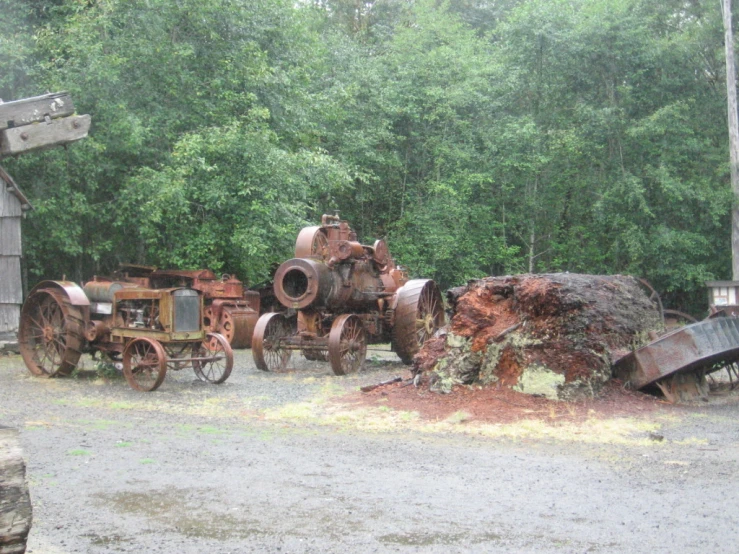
(9, 317)
(11, 289)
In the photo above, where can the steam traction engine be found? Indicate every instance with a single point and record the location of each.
(346, 295)
(152, 330)
(229, 309)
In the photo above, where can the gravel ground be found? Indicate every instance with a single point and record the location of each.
(268, 463)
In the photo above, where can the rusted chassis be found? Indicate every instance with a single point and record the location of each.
(346, 295)
(152, 330)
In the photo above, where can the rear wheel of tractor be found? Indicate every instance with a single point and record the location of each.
(51, 333)
(418, 314)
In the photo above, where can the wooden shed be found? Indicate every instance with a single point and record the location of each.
(26, 125)
(13, 204)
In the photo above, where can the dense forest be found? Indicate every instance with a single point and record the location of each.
(480, 137)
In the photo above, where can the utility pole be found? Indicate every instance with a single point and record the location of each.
(733, 135)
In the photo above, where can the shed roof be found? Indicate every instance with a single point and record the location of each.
(13, 188)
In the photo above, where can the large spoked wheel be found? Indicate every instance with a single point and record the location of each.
(267, 348)
(51, 333)
(347, 344)
(220, 362)
(144, 364)
(418, 314)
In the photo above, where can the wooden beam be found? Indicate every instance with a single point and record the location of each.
(36, 136)
(33, 110)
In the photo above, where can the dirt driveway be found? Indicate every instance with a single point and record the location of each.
(299, 462)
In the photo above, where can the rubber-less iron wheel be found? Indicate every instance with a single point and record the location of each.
(266, 347)
(144, 364)
(347, 344)
(419, 312)
(51, 333)
(218, 369)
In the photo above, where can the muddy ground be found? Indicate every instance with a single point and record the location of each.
(303, 462)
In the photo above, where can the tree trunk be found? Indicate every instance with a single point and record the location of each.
(15, 504)
(733, 134)
(553, 334)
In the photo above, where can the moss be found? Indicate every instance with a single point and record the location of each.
(538, 379)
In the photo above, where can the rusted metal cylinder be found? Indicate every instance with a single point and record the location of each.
(101, 291)
(305, 282)
(96, 330)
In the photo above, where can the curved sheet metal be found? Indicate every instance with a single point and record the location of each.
(688, 348)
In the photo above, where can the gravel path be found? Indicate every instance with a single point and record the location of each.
(262, 463)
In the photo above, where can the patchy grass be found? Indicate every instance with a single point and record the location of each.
(78, 452)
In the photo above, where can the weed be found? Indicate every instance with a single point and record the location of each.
(78, 452)
(146, 461)
(459, 417)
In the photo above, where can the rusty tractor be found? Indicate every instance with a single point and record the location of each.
(146, 331)
(346, 295)
(229, 309)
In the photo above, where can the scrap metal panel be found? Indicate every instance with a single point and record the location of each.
(691, 347)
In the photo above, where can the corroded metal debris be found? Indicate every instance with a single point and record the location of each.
(698, 348)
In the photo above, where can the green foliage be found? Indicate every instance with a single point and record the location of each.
(478, 137)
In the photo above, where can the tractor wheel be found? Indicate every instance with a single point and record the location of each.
(51, 333)
(144, 364)
(218, 369)
(419, 312)
(347, 344)
(269, 354)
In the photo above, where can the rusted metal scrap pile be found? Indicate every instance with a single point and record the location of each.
(554, 334)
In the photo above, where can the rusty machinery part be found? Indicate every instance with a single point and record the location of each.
(302, 282)
(347, 344)
(96, 330)
(144, 364)
(312, 242)
(234, 322)
(381, 254)
(51, 334)
(267, 349)
(676, 318)
(213, 359)
(237, 325)
(707, 344)
(419, 312)
(654, 298)
(310, 322)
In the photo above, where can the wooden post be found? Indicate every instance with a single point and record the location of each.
(733, 135)
(15, 504)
